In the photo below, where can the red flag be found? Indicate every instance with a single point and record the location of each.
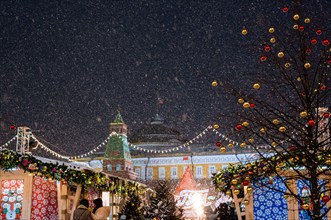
(160, 101)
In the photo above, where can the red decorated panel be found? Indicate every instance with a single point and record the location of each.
(11, 199)
(92, 194)
(44, 200)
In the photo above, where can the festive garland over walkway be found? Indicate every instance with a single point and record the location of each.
(10, 160)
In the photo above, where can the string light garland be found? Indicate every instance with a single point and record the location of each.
(8, 142)
(186, 144)
(96, 148)
(177, 148)
(47, 149)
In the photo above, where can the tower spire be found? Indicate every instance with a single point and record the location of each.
(118, 117)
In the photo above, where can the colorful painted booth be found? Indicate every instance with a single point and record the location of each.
(37, 188)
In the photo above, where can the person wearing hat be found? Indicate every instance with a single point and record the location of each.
(100, 212)
(82, 212)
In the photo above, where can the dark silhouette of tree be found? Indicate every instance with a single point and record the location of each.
(283, 115)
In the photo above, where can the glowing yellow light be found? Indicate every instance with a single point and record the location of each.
(198, 204)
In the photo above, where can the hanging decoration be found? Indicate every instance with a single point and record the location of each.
(8, 143)
(10, 160)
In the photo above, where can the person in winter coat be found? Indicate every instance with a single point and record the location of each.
(82, 212)
(100, 212)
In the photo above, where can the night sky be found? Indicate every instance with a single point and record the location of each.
(67, 66)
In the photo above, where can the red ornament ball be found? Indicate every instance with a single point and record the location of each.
(301, 28)
(263, 58)
(285, 9)
(218, 144)
(326, 115)
(323, 87)
(12, 127)
(245, 182)
(252, 105)
(239, 127)
(292, 148)
(267, 48)
(313, 41)
(325, 198)
(311, 122)
(325, 42)
(319, 32)
(308, 51)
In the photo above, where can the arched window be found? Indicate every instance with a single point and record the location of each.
(109, 167)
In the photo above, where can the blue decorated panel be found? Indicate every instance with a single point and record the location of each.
(268, 203)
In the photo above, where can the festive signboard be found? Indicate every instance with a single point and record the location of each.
(11, 199)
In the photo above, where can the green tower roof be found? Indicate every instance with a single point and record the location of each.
(118, 118)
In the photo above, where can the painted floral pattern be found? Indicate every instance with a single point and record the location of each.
(44, 200)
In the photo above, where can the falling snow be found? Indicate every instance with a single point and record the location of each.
(67, 66)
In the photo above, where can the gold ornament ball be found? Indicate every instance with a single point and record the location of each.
(214, 83)
(285, 196)
(328, 162)
(307, 20)
(241, 100)
(246, 202)
(222, 149)
(296, 17)
(216, 126)
(256, 86)
(305, 206)
(280, 54)
(272, 40)
(249, 189)
(303, 114)
(278, 169)
(230, 145)
(228, 193)
(271, 30)
(295, 27)
(282, 129)
(299, 79)
(236, 191)
(274, 144)
(287, 65)
(307, 65)
(246, 105)
(304, 160)
(234, 182)
(251, 140)
(243, 145)
(245, 124)
(244, 31)
(263, 130)
(275, 121)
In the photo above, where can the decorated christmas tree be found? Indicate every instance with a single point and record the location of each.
(132, 208)
(283, 114)
(162, 203)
